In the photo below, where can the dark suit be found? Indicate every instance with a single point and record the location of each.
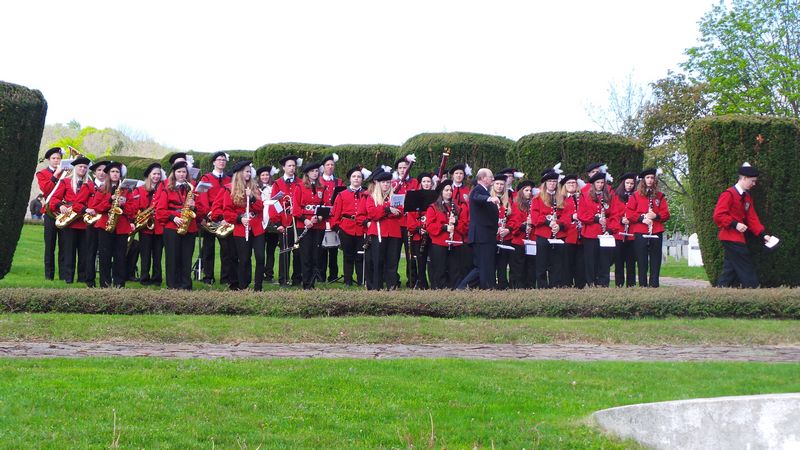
(482, 236)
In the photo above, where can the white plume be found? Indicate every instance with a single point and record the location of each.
(163, 175)
(518, 175)
(603, 168)
(273, 171)
(659, 171)
(124, 170)
(411, 158)
(435, 180)
(744, 164)
(467, 170)
(189, 161)
(609, 178)
(581, 184)
(299, 162)
(386, 168)
(366, 173)
(227, 157)
(252, 172)
(335, 157)
(395, 175)
(557, 169)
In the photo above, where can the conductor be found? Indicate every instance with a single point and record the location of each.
(482, 234)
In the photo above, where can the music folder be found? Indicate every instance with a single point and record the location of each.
(129, 184)
(323, 211)
(419, 200)
(201, 187)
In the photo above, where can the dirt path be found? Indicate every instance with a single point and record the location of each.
(572, 352)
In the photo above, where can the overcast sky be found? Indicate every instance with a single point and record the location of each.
(235, 75)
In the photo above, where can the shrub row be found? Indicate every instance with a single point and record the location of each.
(22, 114)
(781, 303)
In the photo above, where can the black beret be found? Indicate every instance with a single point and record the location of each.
(285, 159)
(569, 177)
(592, 166)
(97, 164)
(424, 175)
(328, 158)
(81, 160)
(506, 171)
(524, 184)
(748, 171)
(178, 165)
(217, 155)
(241, 165)
(176, 156)
(632, 176)
(353, 170)
(645, 172)
(441, 185)
(308, 167)
(151, 168)
(549, 175)
(399, 160)
(382, 175)
(500, 177)
(461, 167)
(597, 176)
(113, 165)
(261, 170)
(53, 150)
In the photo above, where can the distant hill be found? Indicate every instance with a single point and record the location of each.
(98, 142)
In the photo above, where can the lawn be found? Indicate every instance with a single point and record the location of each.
(26, 270)
(58, 403)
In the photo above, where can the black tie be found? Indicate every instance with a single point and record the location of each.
(220, 178)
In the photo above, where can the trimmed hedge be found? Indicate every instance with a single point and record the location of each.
(717, 146)
(477, 150)
(608, 303)
(366, 155)
(22, 114)
(136, 167)
(539, 151)
(270, 154)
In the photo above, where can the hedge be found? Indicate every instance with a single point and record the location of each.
(536, 152)
(717, 146)
(366, 155)
(477, 150)
(607, 303)
(270, 154)
(22, 114)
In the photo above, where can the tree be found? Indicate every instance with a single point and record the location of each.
(623, 115)
(749, 57)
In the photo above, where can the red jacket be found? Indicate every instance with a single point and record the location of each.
(637, 207)
(169, 205)
(733, 208)
(436, 224)
(144, 200)
(415, 221)
(64, 195)
(461, 195)
(217, 186)
(46, 182)
(101, 203)
(284, 218)
(542, 224)
(345, 212)
(570, 210)
(588, 214)
(305, 201)
(409, 184)
(516, 223)
(390, 224)
(620, 203)
(233, 213)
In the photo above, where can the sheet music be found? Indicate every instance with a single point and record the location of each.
(201, 187)
(772, 242)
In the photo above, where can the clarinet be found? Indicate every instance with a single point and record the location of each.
(554, 215)
(602, 212)
(423, 236)
(504, 220)
(453, 214)
(650, 209)
(577, 222)
(528, 223)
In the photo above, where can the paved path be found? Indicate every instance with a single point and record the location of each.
(571, 352)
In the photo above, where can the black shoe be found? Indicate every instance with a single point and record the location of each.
(90, 285)
(68, 281)
(208, 281)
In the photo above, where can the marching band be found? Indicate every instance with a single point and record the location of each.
(557, 232)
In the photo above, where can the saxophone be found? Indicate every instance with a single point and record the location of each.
(114, 212)
(187, 215)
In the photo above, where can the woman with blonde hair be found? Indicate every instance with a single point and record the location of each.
(151, 239)
(72, 196)
(550, 224)
(242, 206)
(383, 231)
(503, 232)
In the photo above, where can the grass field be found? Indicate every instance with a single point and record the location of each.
(57, 403)
(27, 271)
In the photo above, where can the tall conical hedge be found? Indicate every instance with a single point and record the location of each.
(574, 150)
(22, 114)
(477, 150)
(717, 147)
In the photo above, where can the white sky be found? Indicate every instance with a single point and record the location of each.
(235, 74)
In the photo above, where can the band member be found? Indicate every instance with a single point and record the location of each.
(647, 210)
(384, 232)
(116, 223)
(549, 222)
(151, 237)
(574, 264)
(287, 184)
(459, 173)
(597, 217)
(307, 198)
(624, 252)
(447, 225)
(402, 183)
(735, 215)
(47, 179)
(503, 256)
(420, 240)
(329, 256)
(511, 174)
(218, 180)
(482, 235)
(351, 230)
(71, 199)
(173, 208)
(98, 170)
(242, 206)
(522, 266)
(592, 170)
(273, 230)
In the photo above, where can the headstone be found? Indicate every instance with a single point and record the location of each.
(695, 258)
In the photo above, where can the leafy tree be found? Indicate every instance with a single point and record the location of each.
(623, 115)
(749, 57)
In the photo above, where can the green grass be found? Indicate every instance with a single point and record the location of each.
(58, 403)
(394, 329)
(27, 271)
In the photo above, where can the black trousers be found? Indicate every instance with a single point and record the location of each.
(405, 250)
(52, 237)
(501, 262)
(244, 252)
(271, 241)
(227, 256)
(597, 262)
(648, 256)
(132, 258)
(91, 255)
(737, 267)
(309, 256)
(467, 264)
(328, 262)
(483, 266)
(575, 266)
(74, 243)
(112, 248)
(420, 256)
(288, 258)
(549, 264)
(385, 256)
(152, 247)
(522, 269)
(352, 253)
(178, 250)
(445, 269)
(625, 263)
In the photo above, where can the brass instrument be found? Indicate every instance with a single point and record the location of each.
(114, 212)
(91, 219)
(47, 209)
(144, 219)
(187, 215)
(443, 164)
